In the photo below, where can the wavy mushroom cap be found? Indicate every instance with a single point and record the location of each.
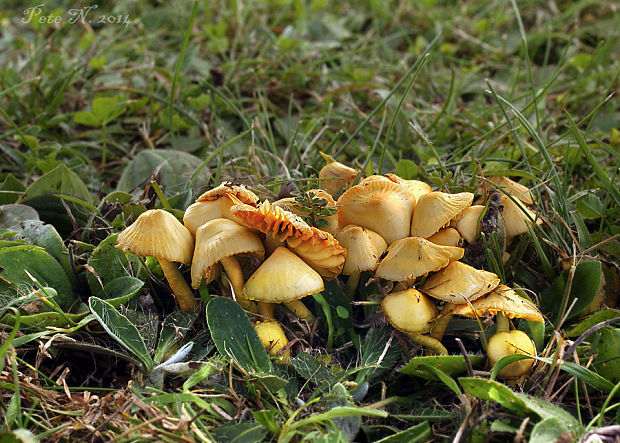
(218, 239)
(416, 187)
(322, 252)
(378, 204)
(291, 204)
(281, 278)
(513, 188)
(458, 283)
(468, 223)
(435, 210)
(157, 233)
(364, 248)
(516, 220)
(409, 311)
(412, 257)
(240, 192)
(272, 221)
(446, 237)
(501, 299)
(197, 214)
(335, 175)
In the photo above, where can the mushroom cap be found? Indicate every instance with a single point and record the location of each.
(198, 213)
(435, 210)
(416, 187)
(292, 205)
(317, 248)
(218, 239)
(446, 237)
(506, 343)
(516, 221)
(322, 252)
(409, 311)
(501, 299)
(272, 220)
(378, 204)
(457, 283)
(412, 257)
(239, 191)
(364, 248)
(335, 175)
(157, 233)
(513, 188)
(468, 223)
(273, 339)
(281, 278)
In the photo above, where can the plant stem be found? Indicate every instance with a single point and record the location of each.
(181, 290)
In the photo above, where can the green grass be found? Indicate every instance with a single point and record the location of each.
(122, 117)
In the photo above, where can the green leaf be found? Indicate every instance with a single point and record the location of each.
(42, 320)
(60, 180)
(174, 328)
(440, 375)
(449, 364)
(241, 433)
(550, 429)
(122, 289)
(121, 329)
(107, 109)
(406, 169)
(87, 118)
(10, 190)
(267, 419)
(592, 320)
(494, 391)
(109, 263)
(309, 368)
(589, 206)
(13, 214)
(418, 433)
(45, 235)
(608, 361)
(234, 336)
(343, 411)
(176, 169)
(41, 265)
(585, 285)
(374, 353)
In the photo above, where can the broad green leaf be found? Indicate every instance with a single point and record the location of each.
(343, 411)
(121, 329)
(109, 263)
(87, 118)
(418, 433)
(271, 382)
(234, 336)
(584, 287)
(374, 353)
(608, 362)
(592, 320)
(176, 169)
(107, 109)
(45, 235)
(548, 430)
(60, 180)
(440, 375)
(41, 265)
(494, 391)
(406, 169)
(43, 320)
(267, 419)
(13, 214)
(10, 190)
(450, 364)
(52, 211)
(589, 206)
(241, 433)
(122, 289)
(309, 368)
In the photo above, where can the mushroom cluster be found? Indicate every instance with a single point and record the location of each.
(400, 231)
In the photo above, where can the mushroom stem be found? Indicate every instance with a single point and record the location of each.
(441, 324)
(235, 275)
(501, 323)
(266, 309)
(181, 290)
(300, 310)
(430, 343)
(352, 283)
